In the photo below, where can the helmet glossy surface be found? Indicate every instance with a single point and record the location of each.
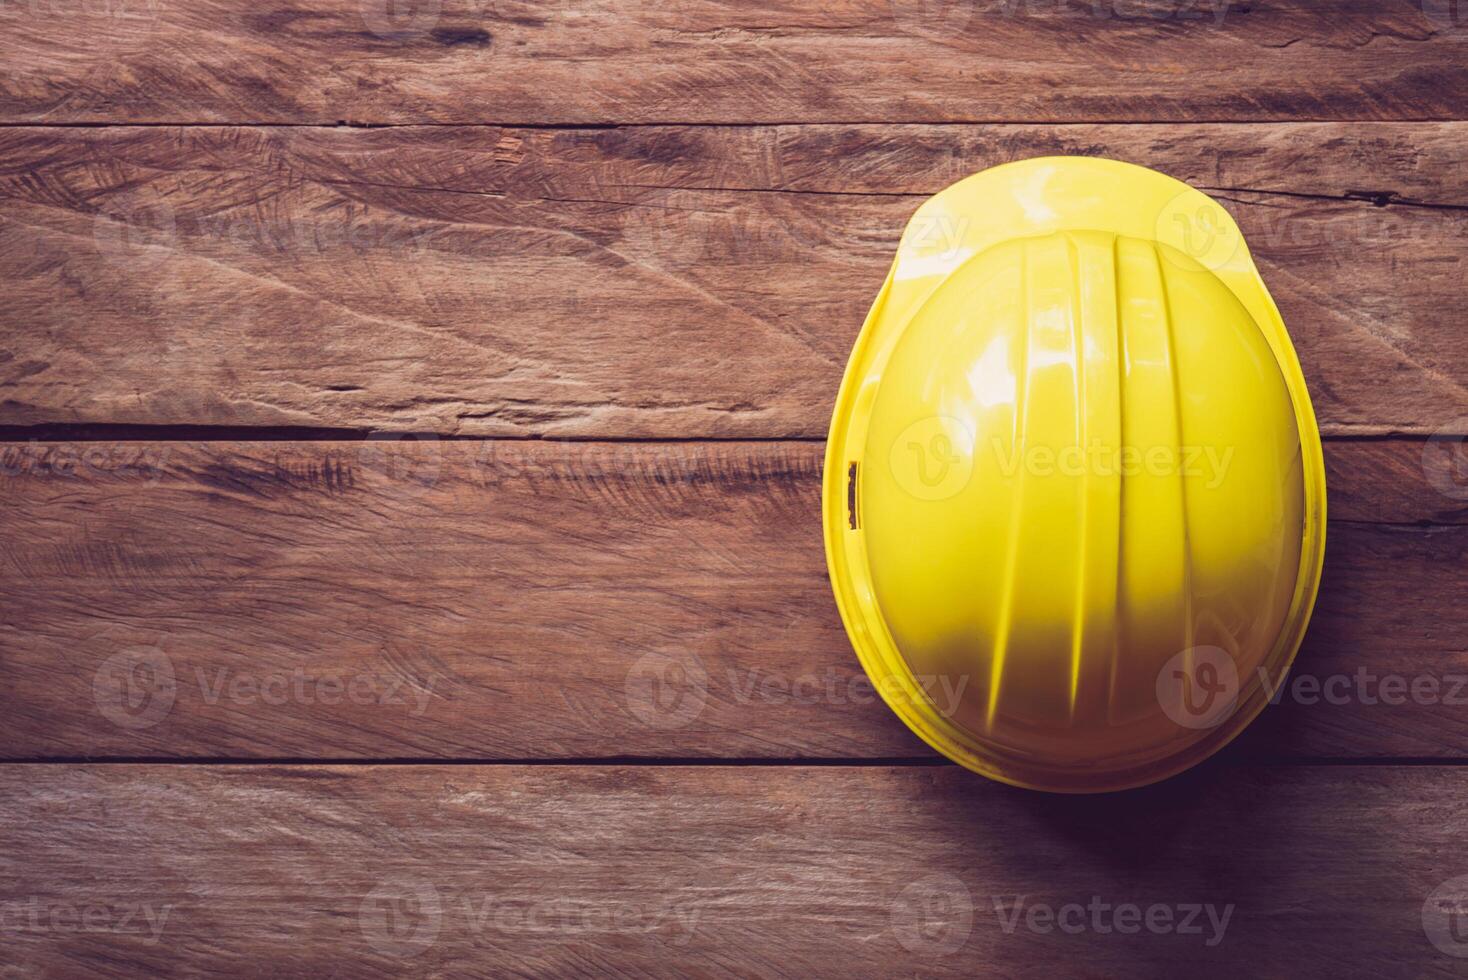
(1074, 500)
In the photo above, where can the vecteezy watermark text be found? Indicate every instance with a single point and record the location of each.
(934, 916)
(299, 687)
(1102, 917)
(35, 914)
(668, 692)
(404, 917)
(84, 461)
(136, 688)
(1366, 687)
(1208, 463)
(1200, 688)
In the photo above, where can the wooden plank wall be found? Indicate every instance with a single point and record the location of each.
(412, 425)
(500, 282)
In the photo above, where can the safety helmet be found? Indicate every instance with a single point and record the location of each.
(1074, 498)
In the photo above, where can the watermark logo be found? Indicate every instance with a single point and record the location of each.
(1445, 460)
(1199, 687)
(1445, 917)
(669, 233)
(933, 916)
(1449, 16)
(400, 20)
(135, 688)
(932, 459)
(666, 692)
(136, 234)
(401, 917)
(1206, 920)
(1200, 228)
(403, 459)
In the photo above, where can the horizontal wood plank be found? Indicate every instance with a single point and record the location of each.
(112, 871)
(702, 61)
(658, 282)
(534, 600)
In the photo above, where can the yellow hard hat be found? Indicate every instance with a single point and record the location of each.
(1074, 497)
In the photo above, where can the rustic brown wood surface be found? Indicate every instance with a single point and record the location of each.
(512, 282)
(699, 61)
(293, 683)
(522, 600)
(716, 871)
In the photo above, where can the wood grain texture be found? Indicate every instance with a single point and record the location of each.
(534, 600)
(438, 871)
(675, 283)
(600, 219)
(592, 61)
